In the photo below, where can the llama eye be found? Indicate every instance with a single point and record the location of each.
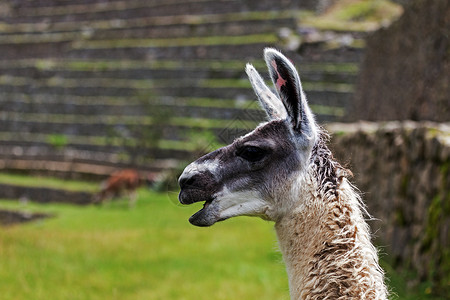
(251, 153)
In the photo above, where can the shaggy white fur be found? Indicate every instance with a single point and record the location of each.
(326, 245)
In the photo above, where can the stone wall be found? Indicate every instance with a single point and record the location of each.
(402, 170)
(406, 69)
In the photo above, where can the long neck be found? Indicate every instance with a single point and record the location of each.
(327, 250)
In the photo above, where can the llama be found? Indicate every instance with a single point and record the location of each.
(120, 181)
(284, 172)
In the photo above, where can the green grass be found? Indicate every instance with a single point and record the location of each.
(148, 252)
(177, 42)
(48, 182)
(355, 15)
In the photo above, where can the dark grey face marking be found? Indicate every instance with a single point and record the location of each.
(249, 164)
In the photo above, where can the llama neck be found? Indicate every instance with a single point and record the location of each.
(327, 250)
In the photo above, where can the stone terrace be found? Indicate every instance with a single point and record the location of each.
(90, 86)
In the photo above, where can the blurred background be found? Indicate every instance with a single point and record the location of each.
(90, 88)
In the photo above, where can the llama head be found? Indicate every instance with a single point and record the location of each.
(254, 175)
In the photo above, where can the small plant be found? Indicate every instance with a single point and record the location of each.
(58, 141)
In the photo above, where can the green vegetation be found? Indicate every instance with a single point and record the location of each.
(81, 43)
(355, 15)
(177, 42)
(48, 182)
(149, 252)
(438, 213)
(403, 284)
(367, 10)
(58, 141)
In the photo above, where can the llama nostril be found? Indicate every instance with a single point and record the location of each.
(186, 182)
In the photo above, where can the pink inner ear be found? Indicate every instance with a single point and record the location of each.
(280, 81)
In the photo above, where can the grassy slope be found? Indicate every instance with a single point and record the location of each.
(149, 252)
(355, 15)
(48, 182)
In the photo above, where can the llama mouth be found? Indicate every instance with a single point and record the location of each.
(206, 216)
(207, 203)
(190, 196)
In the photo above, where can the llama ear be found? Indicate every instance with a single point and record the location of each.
(287, 83)
(268, 100)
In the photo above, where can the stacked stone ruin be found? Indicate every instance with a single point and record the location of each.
(87, 87)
